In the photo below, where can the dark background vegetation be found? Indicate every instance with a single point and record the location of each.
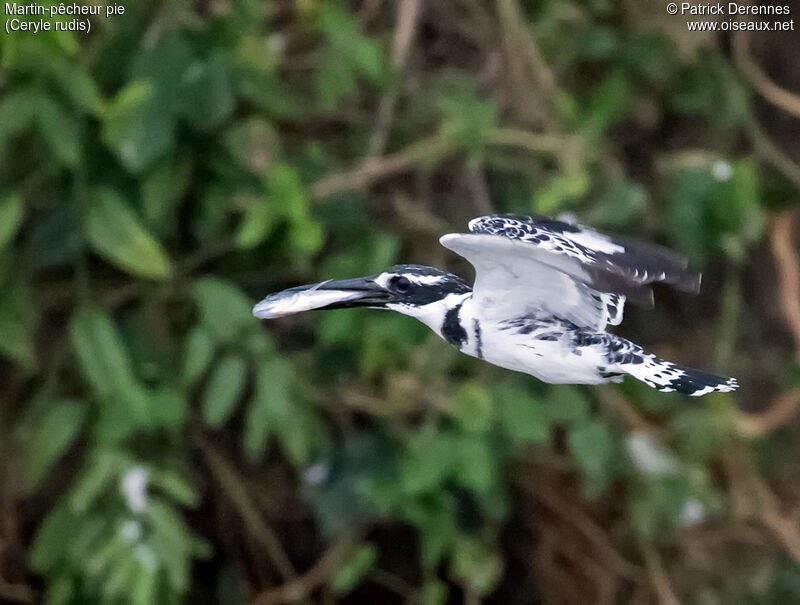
(161, 174)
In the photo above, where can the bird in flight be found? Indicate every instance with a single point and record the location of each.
(544, 293)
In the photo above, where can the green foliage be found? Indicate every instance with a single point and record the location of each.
(53, 437)
(349, 56)
(224, 388)
(353, 569)
(115, 233)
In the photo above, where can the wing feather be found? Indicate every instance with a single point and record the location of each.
(511, 281)
(526, 264)
(614, 264)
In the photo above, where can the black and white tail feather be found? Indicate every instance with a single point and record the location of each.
(667, 377)
(629, 358)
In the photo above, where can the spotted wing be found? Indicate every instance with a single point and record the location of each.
(612, 265)
(533, 264)
(511, 282)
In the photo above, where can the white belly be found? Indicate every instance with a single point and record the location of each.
(552, 361)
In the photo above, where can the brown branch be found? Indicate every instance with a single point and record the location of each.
(610, 557)
(784, 252)
(408, 12)
(566, 148)
(613, 400)
(782, 411)
(16, 593)
(302, 586)
(371, 170)
(525, 60)
(659, 577)
(758, 502)
(777, 95)
(234, 487)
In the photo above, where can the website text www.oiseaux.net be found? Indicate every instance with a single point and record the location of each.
(740, 17)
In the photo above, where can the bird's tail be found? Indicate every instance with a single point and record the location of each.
(667, 377)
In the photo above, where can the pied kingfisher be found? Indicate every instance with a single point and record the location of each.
(544, 292)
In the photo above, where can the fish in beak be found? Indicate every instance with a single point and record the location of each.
(342, 294)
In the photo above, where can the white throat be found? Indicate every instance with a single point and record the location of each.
(433, 314)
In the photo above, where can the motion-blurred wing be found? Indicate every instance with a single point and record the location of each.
(536, 263)
(510, 281)
(613, 265)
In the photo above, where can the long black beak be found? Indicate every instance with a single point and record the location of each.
(342, 294)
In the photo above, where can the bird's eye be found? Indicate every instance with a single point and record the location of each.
(401, 285)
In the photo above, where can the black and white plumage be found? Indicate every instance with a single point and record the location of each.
(544, 293)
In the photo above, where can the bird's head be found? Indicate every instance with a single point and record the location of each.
(422, 292)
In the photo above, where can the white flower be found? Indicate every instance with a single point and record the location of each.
(134, 488)
(692, 513)
(721, 170)
(650, 457)
(316, 474)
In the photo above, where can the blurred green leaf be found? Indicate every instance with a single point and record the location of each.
(225, 386)
(687, 218)
(224, 309)
(286, 193)
(467, 119)
(335, 81)
(52, 539)
(161, 191)
(175, 485)
(144, 586)
(566, 404)
(136, 128)
(431, 457)
(53, 436)
(351, 55)
(76, 82)
(61, 591)
(605, 105)
(434, 592)
(18, 321)
(11, 214)
(716, 209)
(98, 472)
(475, 565)
(475, 464)
(171, 542)
(198, 353)
(273, 411)
(167, 407)
(592, 446)
(101, 352)
(61, 132)
(711, 88)
(472, 407)
(562, 189)
(114, 231)
(257, 222)
(17, 112)
(524, 418)
(355, 567)
(206, 94)
(435, 517)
